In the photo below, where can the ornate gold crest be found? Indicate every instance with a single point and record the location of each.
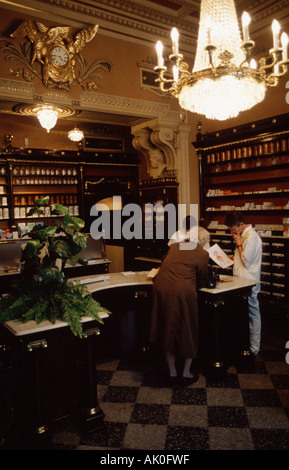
(54, 55)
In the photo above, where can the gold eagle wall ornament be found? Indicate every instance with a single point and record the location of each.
(54, 55)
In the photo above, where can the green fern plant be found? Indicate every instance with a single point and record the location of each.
(44, 292)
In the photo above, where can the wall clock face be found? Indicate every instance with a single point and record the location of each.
(59, 56)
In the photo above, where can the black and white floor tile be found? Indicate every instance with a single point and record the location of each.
(247, 409)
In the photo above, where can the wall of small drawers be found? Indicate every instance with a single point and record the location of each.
(274, 268)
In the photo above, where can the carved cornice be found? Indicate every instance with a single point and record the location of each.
(134, 21)
(127, 13)
(127, 106)
(129, 20)
(21, 92)
(13, 89)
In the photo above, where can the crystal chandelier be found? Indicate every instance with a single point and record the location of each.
(75, 135)
(225, 79)
(47, 117)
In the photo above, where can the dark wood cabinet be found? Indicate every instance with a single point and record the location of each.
(246, 168)
(47, 375)
(157, 197)
(76, 179)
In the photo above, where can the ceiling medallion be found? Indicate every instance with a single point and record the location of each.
(47, 114)
(54, 55)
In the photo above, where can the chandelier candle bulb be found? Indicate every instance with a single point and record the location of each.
(246, 20)
(175, 40)
(276, 29)
(284, 42)
(175, 73)
(209, 30)
(159, 49)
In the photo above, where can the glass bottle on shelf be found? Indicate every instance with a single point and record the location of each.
(228, 154)
(283, 145)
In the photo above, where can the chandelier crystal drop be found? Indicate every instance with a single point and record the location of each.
(225, 79)
(47, 117)
(76, 135)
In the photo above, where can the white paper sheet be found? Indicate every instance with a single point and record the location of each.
(219, 256)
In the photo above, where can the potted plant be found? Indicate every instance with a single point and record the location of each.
(43, 291)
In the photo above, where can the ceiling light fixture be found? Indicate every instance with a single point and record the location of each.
(47, 117)
(75, 135)
(225, 79)
(46, 113)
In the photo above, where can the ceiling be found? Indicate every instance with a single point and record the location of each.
(146, 21)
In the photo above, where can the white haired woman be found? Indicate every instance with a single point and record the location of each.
(174, 324)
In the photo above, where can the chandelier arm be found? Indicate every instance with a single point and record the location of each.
(273, 78)
(247, 48)
(264, 67)
(210, 50)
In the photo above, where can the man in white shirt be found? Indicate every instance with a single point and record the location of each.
(247, 264)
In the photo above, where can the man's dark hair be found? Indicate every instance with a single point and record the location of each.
(190, 222)
(234, 218)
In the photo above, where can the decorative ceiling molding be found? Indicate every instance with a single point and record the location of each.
(13, 92)
(145, 21)
(127, 106)
(133, 21)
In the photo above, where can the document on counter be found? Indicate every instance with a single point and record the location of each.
(152, 274)
(91, 280)
(219, 256)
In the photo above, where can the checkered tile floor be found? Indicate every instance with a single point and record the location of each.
(245, 410)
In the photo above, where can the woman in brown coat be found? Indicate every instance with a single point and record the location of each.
(174, 326)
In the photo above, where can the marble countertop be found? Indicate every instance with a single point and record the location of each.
(101, 282)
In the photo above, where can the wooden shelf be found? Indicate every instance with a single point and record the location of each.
(250, 195)
(248, 210)
(264, 147)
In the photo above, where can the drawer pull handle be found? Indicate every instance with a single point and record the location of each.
(90, 332)
(41, 343)
(139, 294)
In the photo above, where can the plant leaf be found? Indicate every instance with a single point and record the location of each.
(59, 209)
(42, 201)
(75, 222)
(80, 239)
